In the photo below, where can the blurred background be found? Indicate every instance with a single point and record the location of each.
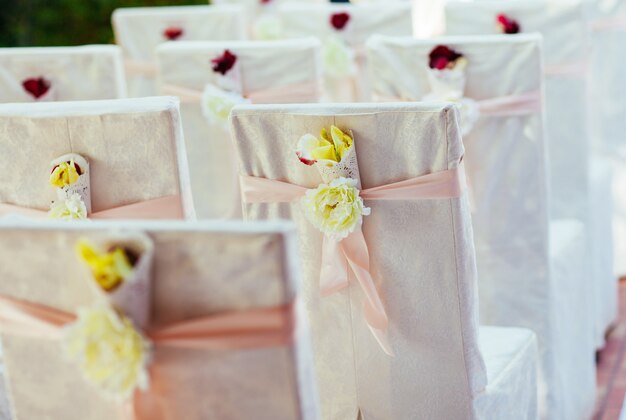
(25, 23)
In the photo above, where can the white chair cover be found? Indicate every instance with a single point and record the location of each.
(140, 30)
(273, 71)
(196, 272)
(608, 106)
(530, 273)
(300, 20)
(135, 150)
(422, 261)
(72, 73)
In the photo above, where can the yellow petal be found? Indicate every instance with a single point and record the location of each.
(342, 141)
(325, 152)
(64, 174)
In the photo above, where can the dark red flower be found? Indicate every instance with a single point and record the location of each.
(508, 25)
(265, 1)
(36, 86)
(441, 56)
(224, 62)
(339, 20)
(173, 33)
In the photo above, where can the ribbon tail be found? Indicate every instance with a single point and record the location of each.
(355, 250)
(334, 271)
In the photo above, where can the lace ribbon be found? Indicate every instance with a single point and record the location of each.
(168, 207)
(353, 251)
(253, 328)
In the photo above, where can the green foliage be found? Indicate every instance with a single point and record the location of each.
(65, 22)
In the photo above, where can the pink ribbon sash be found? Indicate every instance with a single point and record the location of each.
(572, 70)
(614, 23)
(298, 92)
(140, 68)
(352, 252)
(253, 328)
(168, 207)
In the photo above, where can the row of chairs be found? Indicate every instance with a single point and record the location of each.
(539, 203)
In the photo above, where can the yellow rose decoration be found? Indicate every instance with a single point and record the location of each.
(110, 352)
(328, 149)
(109, 269)
(335, 208)
(64, 174)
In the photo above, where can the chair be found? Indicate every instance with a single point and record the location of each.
(242, 359)
(343, 30)
(61, 74)
(137, 166)
(263, 72)
(411, 290)
(529, 265)
(566, 41)
(608, 23)
(139, 30)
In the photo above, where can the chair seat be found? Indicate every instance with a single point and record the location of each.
(510, 356)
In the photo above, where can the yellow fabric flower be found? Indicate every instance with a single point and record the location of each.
(110, 352)
(109, 269)
(64, 174)
(335, 208)
(328, 149)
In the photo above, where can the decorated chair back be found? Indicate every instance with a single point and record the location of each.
(61, 74)
(343, 30)
(566, 51)
(403, 283)
(210, 78)
(219, 339)
(123, 158)
(140, 30)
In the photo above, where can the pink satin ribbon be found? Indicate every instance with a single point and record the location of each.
(504, 106)
(574, 69)
(298, 92)
(352, 252)
(609, 24)
(140, 68)
(168, 207)
(253, 328)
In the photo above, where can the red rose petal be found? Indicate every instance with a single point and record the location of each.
(441, 56)
(339, 20)
(508, 25)
(173, 32)
(36, 86)
(224, 62)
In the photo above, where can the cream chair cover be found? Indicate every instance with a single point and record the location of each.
(608, 28)
(566, 50)
(135, 149)
(196, 271)
(73, 73)
(300, 20)
(422, 260)
(530, 273)
(140, 30)
(288, 70)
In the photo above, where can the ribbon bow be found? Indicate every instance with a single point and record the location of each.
(352, 251)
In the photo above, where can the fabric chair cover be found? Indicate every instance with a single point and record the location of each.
(608, 25)
(526, 275)
(273, 71)
(300, 20)
(72, 73)
(196, 271)
(140, 30)
(421, 259)
(135, 150)
(566, 35)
